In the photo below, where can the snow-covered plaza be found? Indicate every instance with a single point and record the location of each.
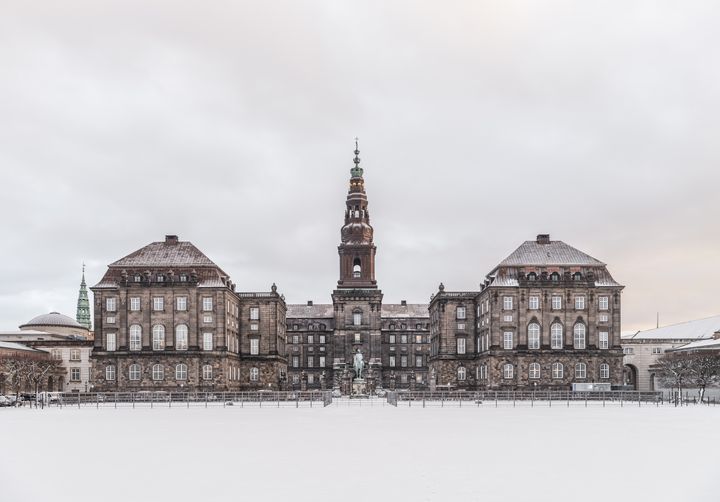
(376, 453)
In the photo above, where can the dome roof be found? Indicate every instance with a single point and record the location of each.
(52, 319)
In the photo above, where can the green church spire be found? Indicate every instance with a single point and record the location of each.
(83, 304)
(357, 171)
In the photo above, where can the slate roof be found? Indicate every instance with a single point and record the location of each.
(552, 253)
(698, 329)
(409, 310)
(164, 254)
(17, 346)
(303, 311)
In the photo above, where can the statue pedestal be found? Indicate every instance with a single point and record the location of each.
(359, 388)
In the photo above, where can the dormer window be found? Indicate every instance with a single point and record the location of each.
(183, 278)
(555, 277)
(138, 278)
(160, 278)
(532, 276)
(577, 276)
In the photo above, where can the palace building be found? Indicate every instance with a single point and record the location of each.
(167, 317)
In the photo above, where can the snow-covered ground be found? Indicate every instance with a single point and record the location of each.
(351, 453)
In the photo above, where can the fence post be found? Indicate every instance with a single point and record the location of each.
(638, 399)
(603, 399)
(116, 396)
(132, 398)
(495, 399)
(97, 401)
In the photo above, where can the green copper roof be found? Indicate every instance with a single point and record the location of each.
(83, 304)
(357, 171)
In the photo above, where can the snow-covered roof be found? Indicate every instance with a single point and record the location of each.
(710, 344)
(549, 253)
(689, 330)
(408, 310)
(169, 253)
(32, 335)
(505, 282)
(303, 311)
(16, 346)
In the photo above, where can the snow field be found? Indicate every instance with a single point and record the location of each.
(351, 453)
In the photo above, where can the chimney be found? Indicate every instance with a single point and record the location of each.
(403, 303)
(171, 239)
(310, 303)
(543, 239)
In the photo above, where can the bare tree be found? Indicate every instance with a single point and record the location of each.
(675, 369)
(28, 371)
(704, 369)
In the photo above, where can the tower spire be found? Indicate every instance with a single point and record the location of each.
(83, 304)
(357, 171)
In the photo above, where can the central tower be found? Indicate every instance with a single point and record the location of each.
(357, 251)
(357, 301)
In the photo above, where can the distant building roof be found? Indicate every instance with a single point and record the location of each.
(303, 311)
(407, 310)
(53, 319)
(698, 329)
(169, 253)
(33, 335)
(17, 346)
(710, 344)
(543, 251)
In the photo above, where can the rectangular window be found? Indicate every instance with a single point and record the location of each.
(56, 354)
(508, 340)
(311, 378)
(110, 373)
(579, 302)
(296, 339)
(556, 302)
(392, 362)
(110, 319)
(507, 318)
(111, 342)
(461, 326)
(207, 341)
(603, 336)
(158, 303)
(507, 302)
(604, 304)
(321, 361)
(322, 338)
(603, 318)
(460, 345)
(392, 338)
(403, 361)
(181, 303)
(534, 303)
(207, 304)
(357, 318)
(311, 339)
(207, 372)
(207, 319)
(628, 350)
(418, 339)
(254, 313)
(74, 354)
(296, 361)
(403, 338)
(74, 374)
(418, 361)
(111, 304)
(461, 313)
(254, 326)
(254, 346)
(358, 339)
(604, 371)
(311, 362)
(657, 350)
(134, 303)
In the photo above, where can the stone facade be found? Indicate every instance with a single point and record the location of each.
(168, 318)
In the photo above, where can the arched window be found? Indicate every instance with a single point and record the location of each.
(254, 374)
(158, 372)
(158, 334)
(580, 370)
(110, 373)
(557, 371)
(135, 337)
(556, 336)
(577, 276)
(532, 276)
(533, 335)
(604, 370)
(508, 371)
(555, 276)
(207, 372)
(534, 370)
(181, 371)
(357, 269)
(461, 373)
(579, 336)
(181, 337)
(134, 373)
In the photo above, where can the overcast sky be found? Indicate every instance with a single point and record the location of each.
(481, 124)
